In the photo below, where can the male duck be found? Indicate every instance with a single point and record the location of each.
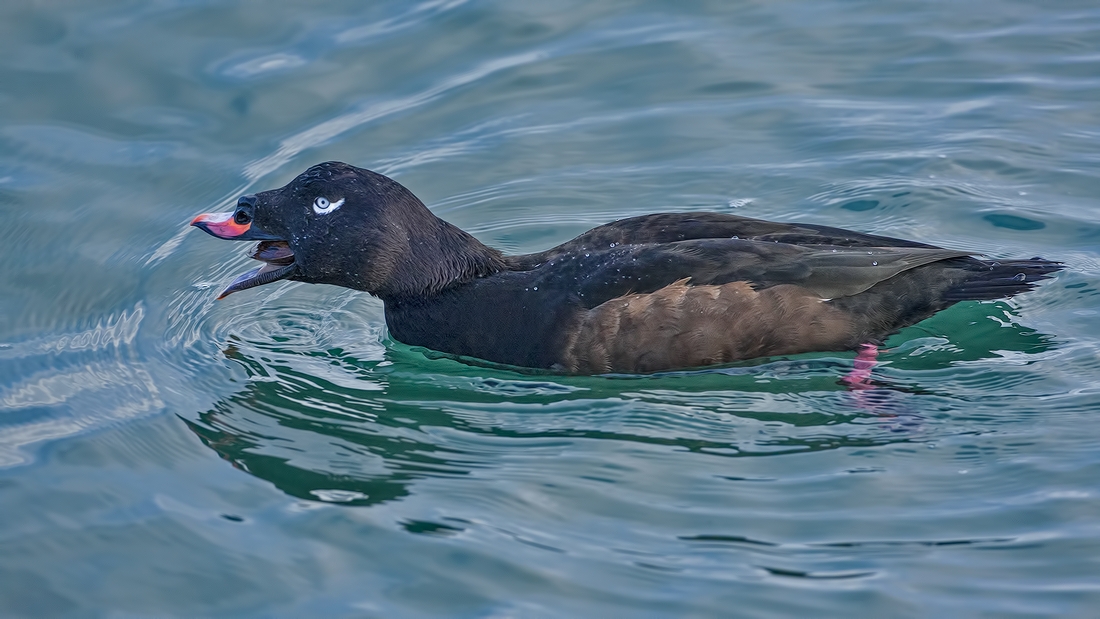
(643, 294)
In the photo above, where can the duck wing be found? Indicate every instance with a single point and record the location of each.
(672, 227)
(826, 271)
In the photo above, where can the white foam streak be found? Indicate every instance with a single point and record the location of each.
(114, 331)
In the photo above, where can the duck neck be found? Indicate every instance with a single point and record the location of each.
(438, 255)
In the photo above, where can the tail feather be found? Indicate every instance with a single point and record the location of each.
(990, 279)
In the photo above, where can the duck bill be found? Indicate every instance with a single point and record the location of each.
(259, 276)
(275, 253)
(222, 226)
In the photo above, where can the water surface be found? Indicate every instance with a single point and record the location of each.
(276, 454)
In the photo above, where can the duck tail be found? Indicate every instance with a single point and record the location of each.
(999, 279)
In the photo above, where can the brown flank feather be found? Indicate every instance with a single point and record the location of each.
(682, 326)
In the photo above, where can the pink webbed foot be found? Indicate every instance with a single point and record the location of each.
(860, 376)
(866, 394)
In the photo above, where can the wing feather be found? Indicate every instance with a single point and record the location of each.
(826, 271)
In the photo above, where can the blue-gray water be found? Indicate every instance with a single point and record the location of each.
(276, 455)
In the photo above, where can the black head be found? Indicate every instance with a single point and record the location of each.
(343, 225)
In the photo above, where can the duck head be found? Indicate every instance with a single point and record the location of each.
(339, 224)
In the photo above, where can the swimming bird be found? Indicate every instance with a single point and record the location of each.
(638, 295)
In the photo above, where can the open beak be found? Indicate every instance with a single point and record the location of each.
(274, 252)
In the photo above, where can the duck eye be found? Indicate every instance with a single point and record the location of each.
(322, 206)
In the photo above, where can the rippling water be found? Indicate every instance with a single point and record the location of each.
(276, 454)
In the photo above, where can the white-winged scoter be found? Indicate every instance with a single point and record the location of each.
(643, 294)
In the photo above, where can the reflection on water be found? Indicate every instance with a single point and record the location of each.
(92, 370)
(362, 432)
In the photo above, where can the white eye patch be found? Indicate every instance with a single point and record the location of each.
(322, 206)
